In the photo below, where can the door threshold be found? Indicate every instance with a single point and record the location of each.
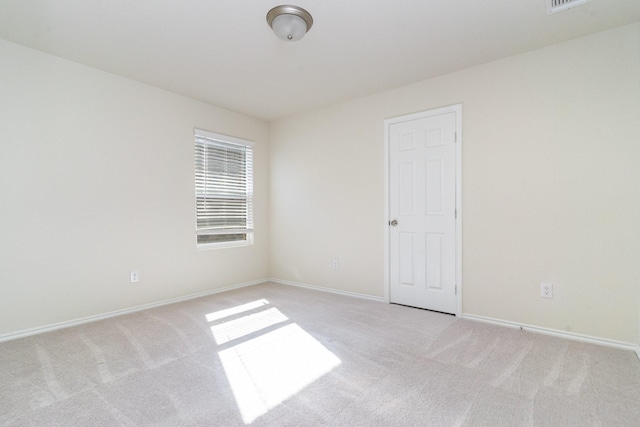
(420, 308)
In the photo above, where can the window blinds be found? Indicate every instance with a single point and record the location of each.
(224, 188)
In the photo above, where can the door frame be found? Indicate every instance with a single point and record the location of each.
(457, 109)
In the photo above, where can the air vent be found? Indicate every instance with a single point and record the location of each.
(554, 6)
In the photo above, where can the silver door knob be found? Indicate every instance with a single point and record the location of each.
(393, 223)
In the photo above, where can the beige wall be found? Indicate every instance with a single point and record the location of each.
(551, 186)
(96, 179)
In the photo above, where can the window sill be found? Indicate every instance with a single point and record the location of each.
(223, 245)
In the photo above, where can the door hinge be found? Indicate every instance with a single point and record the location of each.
(456, 137)
(456, 289)
(455, 214)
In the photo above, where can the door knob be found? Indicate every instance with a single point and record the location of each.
(393, 223)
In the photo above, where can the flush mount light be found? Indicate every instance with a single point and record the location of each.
(290, 23)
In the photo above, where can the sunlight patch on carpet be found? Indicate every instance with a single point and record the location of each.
(271, 367)
(247, 325)
(221, 314)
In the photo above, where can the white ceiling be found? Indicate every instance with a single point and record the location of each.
(224, 53)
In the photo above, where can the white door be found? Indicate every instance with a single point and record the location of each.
(422, 212)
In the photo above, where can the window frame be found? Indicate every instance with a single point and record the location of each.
(244, 145)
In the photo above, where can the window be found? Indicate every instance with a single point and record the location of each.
(224, 190)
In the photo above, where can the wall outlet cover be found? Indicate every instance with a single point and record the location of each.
(546, 290)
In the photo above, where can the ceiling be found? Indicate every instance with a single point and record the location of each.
(223, 52)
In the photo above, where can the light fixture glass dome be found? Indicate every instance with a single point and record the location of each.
(289, 23)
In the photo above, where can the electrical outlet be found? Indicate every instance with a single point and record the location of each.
(135, 276)
(546, 290)
(334, 264)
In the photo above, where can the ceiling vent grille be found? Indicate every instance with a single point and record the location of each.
(554, 6)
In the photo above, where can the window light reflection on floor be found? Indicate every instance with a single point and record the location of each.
(221, 314)
(238, 328)
(265, 370)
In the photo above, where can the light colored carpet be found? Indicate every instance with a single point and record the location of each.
(272, 355)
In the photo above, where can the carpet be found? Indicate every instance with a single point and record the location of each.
(275, 355)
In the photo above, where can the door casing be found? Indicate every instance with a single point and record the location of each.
(457, 109)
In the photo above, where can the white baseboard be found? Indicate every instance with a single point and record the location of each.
(557, 333)
(536, 329)
(330, 290)
(88, 319)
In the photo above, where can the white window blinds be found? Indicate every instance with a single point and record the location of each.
(224, 188)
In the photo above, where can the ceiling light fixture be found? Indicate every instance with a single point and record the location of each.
(290, 23)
